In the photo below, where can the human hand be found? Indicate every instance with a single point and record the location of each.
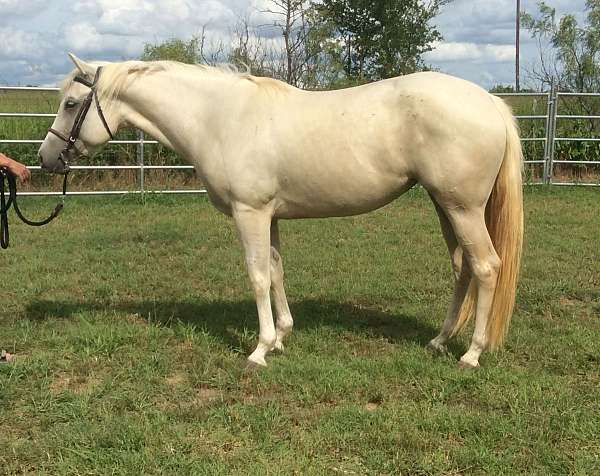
(15, 168)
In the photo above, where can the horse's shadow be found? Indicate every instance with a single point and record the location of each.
(226, 319)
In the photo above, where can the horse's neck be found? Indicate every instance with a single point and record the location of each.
(179, 112)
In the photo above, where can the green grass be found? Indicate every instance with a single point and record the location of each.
(132, 323)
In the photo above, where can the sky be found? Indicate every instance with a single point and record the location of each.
(35, 35)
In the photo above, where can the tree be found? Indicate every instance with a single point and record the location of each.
(382, 39)
(174, 49)
(569, 52)
(302, 56)
(249, 51)
(292, 18)
(191, 51)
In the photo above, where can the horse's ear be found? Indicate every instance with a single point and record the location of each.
(83, 67)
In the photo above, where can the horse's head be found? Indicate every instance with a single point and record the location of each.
(81, 126)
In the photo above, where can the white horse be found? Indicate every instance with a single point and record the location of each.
(268, 151)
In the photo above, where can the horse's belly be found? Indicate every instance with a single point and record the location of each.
(339, 198)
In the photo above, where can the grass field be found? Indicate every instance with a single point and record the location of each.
(132, 322)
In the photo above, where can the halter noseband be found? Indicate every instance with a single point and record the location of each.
(81, 115)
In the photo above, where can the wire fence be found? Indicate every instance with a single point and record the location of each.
(546, 161)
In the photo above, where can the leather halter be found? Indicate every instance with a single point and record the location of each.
(81, 115)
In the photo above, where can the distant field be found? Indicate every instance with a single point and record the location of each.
(132, 323)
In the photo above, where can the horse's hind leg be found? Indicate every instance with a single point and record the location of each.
(473, 237)
(284, 316)
(462, 275)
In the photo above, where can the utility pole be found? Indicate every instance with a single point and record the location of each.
(517, 45)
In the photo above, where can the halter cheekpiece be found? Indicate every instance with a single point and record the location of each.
(81, 115)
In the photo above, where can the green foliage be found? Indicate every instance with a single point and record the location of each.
(574, 59)
(377, 40)
(500, 88)
(174, 49)
(508, 88)
(325, 69)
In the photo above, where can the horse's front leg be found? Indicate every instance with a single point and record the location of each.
(284, 316)
(254, 229)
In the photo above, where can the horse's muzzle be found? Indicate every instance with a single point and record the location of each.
(61, 166)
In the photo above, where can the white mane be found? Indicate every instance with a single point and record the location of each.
(116, 76)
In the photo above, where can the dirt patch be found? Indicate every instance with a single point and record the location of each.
(176, 379)
(78, 384)
(202, 397)
(207, 395)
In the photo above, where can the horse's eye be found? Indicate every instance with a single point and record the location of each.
(70, 104)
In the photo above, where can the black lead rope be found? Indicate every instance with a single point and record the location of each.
(5, 205)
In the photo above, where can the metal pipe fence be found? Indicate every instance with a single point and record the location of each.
(547, 161)
(550, 139)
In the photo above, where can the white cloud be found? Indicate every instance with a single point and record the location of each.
(85, 39)
(87, 8)
(19, 44)
(15, 8)
(154, 17)
(461, 51)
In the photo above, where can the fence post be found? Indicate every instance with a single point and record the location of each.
(140, 157)
(547, 132)
(550, 134)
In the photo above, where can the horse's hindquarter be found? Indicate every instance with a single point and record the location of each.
(350, 151)
(458, 137)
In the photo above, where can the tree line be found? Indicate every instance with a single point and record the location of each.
(327, 44)
(322, 44)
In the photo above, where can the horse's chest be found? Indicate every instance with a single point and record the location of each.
(220, 201)
(214, 178)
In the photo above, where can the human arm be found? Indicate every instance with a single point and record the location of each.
(15, 168)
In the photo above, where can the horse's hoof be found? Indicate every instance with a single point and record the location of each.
(438, 349)
(467, 366)
(279, 346)
(252, 367)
